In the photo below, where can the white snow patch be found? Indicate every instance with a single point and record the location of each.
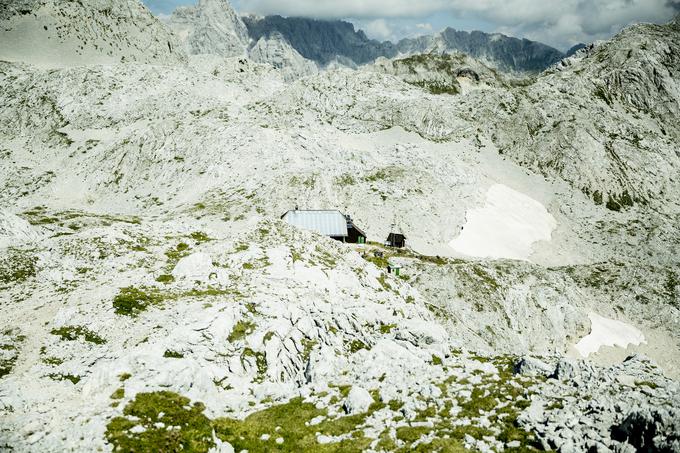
(506, 227)
(608, 332)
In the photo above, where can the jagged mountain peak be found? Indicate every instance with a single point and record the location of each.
(328, 41)
(211, 27)
(51, 33)
(495, 49)
(276, 51)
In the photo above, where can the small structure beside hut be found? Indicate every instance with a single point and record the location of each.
(396, 240)
(393, 268)
(331, 223)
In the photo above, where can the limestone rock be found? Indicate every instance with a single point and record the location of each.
(195, 267)
(532, 366)
(358, 400)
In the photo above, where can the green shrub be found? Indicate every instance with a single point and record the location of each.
(71, 333)
(131, 301)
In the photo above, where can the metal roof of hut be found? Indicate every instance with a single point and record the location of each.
(329, 223)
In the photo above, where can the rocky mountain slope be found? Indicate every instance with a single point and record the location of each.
(155, 298)
(277, 52)
(52, 33)
(627, 136)
(495, 49)
(328, 41)
(439, 74)
(211, 27)
(320, 41)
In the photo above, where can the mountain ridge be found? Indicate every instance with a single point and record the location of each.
(210, 27)
(323, 41)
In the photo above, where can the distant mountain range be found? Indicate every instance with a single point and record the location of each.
(328, 41)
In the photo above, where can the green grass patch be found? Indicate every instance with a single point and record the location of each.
(346, 179)
(72, 333)
(387, 328)
(124, 377)
(131, 301)
(53, 361)
(165, 278)
(200, 237)
(382, 279)
(64, 377)
(194, 433)
(356, 345)
(118, 394)
(17, 266)
(241, 330)
(194, 429)
(297, 437)
(260, 362)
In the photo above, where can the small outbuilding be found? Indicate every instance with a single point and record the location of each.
(354, 234)
(331, 223)
(394, 269)
(396, 240)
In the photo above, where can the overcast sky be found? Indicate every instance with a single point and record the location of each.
(560, 23)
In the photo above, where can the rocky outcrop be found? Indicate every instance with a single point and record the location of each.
(277, 52)
(211, 27)
(15, 230)
(439, 73)
(612, 106)
(320, 41)
(625, 407)
(50, 33)
(495, 49)
(650, 429)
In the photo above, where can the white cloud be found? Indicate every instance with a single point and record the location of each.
(557, 22)
(378, 29)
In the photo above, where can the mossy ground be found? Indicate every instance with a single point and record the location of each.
(240, 330)
(498, 398)
(184, 426)
(17, 266)
(71, 333)
(9, 350)
(131, 301)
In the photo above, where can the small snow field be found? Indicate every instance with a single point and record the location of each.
(608, 332)
(505, 227)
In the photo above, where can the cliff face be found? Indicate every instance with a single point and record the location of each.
(53, 33)
(500, 51)
(277, 52)
(321, 41)
(326, 41)
(211, 27)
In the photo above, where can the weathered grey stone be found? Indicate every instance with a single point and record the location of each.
(358, 400)
(567, 369)
(650, 429)
(532, 367)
